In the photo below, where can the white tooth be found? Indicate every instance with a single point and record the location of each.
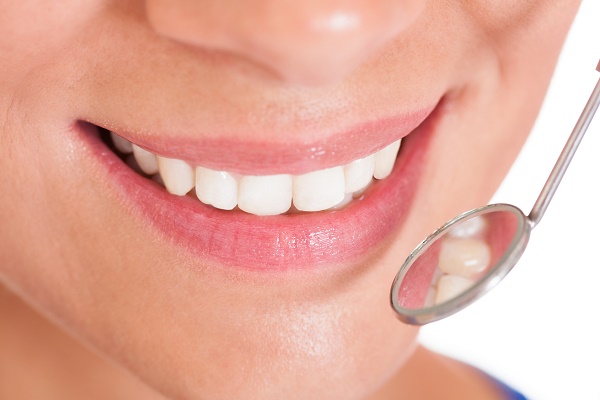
(360, 193)
(464, 257)
(319, 190)
(146, 160)
(450, 286)
(347, 199)
(265, 195)
(385, 159)
(217, 188)
(469, 228)
(123, 145)
(177, 175)
(358, 173)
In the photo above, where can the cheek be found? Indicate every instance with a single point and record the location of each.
(33, 32)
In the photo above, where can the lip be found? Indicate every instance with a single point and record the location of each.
(274, 243)
(255, 157)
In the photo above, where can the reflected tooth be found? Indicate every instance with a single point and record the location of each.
(431, 298)
(216, 188)
(358, 173)
(319, 190)
(177, 175)
(469, 228)
(464, 257)
(385, 159)
(437, 274)
(145, 159)
(265, 195)
(450, 286)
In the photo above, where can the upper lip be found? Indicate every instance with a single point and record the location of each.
(250, 156)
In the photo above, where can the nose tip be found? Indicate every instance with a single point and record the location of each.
(304, 42)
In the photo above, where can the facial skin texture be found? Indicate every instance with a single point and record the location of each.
(269, 70)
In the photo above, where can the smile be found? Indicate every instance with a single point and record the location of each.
(330, 188)
(280, 221)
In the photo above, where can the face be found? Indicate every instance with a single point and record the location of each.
(241, 295)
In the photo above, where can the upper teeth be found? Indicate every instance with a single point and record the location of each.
(266, 194)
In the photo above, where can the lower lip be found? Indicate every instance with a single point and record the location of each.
(274, 243)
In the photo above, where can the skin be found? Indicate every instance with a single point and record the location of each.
(97, 303)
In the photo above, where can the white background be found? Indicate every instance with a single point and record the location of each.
(539, 330)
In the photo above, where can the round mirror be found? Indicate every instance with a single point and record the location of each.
(459, 263)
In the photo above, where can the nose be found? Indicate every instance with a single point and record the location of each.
(305, 41)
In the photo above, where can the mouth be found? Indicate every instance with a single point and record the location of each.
(262, 195)
(289, 219)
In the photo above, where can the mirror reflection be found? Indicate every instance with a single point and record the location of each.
(460, 255)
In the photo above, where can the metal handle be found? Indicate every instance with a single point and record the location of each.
(543, 200)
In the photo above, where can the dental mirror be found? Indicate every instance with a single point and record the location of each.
(469, 255)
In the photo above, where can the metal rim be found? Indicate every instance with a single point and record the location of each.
(515, 249)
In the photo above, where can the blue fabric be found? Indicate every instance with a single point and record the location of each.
(509, 393)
